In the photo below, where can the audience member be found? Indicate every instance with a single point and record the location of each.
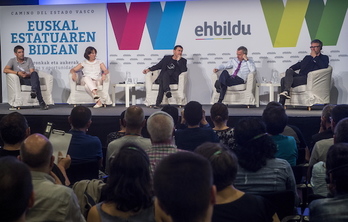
(135, 121)
(128, 189)
(276, 119)
(194, 135)
(183, 185)
(52, 201)
(325, 131)
(16, 190)
(115, 135)
(294, 131)
(83, 147)
(14, 129)
(259, 171)
(219, 116)
(231, 203)
(160, 126)
(319, 169)
(334, 209)
(320, 148)
(173, 111)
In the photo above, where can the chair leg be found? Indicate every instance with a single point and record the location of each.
(14, 108)
(248, 107)
(309, 108)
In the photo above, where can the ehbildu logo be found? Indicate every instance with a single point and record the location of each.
(324, 22)
(163, 26)
(227, 28)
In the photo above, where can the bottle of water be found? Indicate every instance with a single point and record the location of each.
(275, 76)
(128, 78)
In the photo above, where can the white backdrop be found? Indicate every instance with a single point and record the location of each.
(202, 55)
(82, 25)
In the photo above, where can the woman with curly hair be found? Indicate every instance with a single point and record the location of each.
(219, 116)
(259, 171)
(128, 193)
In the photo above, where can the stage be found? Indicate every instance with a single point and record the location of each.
(106, 120)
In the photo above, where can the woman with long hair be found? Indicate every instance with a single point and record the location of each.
(128, 193)
(259, 171)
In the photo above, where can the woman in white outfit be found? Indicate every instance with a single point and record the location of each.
(94, 72)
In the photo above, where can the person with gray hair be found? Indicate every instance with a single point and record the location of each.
(160, 126)
(242, 67)
(134, 119)
(52, 201)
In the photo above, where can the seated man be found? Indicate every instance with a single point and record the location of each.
(183, 185)
(194, 135)
(311, 62)
(334, 209)
(134, 119)
(242, 67)
(24, 68)
(16, 189)
(276, 119)
(160, 126)
(83, 147)
(52, 201)
(171, 67)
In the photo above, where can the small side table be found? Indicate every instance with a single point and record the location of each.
(271, 91)
(127, 88)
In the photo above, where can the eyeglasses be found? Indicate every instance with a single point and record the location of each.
(312, 47)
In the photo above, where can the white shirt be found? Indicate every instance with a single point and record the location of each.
(245, 68)
(92, 69)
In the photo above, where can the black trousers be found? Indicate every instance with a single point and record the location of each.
(292, 79)
(226, 80)
(34, 82)
(164, 80)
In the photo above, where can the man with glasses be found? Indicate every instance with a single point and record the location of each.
(311, 62)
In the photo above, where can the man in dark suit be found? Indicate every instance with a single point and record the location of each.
(171, 67)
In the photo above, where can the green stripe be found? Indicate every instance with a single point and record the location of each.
(291, 23)
(331, 21)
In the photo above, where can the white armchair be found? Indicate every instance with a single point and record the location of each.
(79, 95)
(317, 90)
(242, 94)
(178, 90)
(19, 95)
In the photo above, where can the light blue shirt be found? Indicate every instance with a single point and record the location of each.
(245, 68)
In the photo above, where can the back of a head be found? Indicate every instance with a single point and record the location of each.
(13, 128)
(129, 182)
(275, 119)
(15, 188)
(337, 166)
(273, 104)
(173, 111)
(193, 113)
(134, 117)
(223, 162)
(36, 151)
(80, 116)
(339, 112)
(160, 126)
(326, 112)
(341, 131)
(122, 118)
(182, 184)
(219, 112)
(254, 146)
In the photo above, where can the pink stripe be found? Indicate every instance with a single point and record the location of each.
(128, 26)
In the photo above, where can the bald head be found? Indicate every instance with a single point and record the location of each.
(134, 117)
(160, 126)
(36, 152)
